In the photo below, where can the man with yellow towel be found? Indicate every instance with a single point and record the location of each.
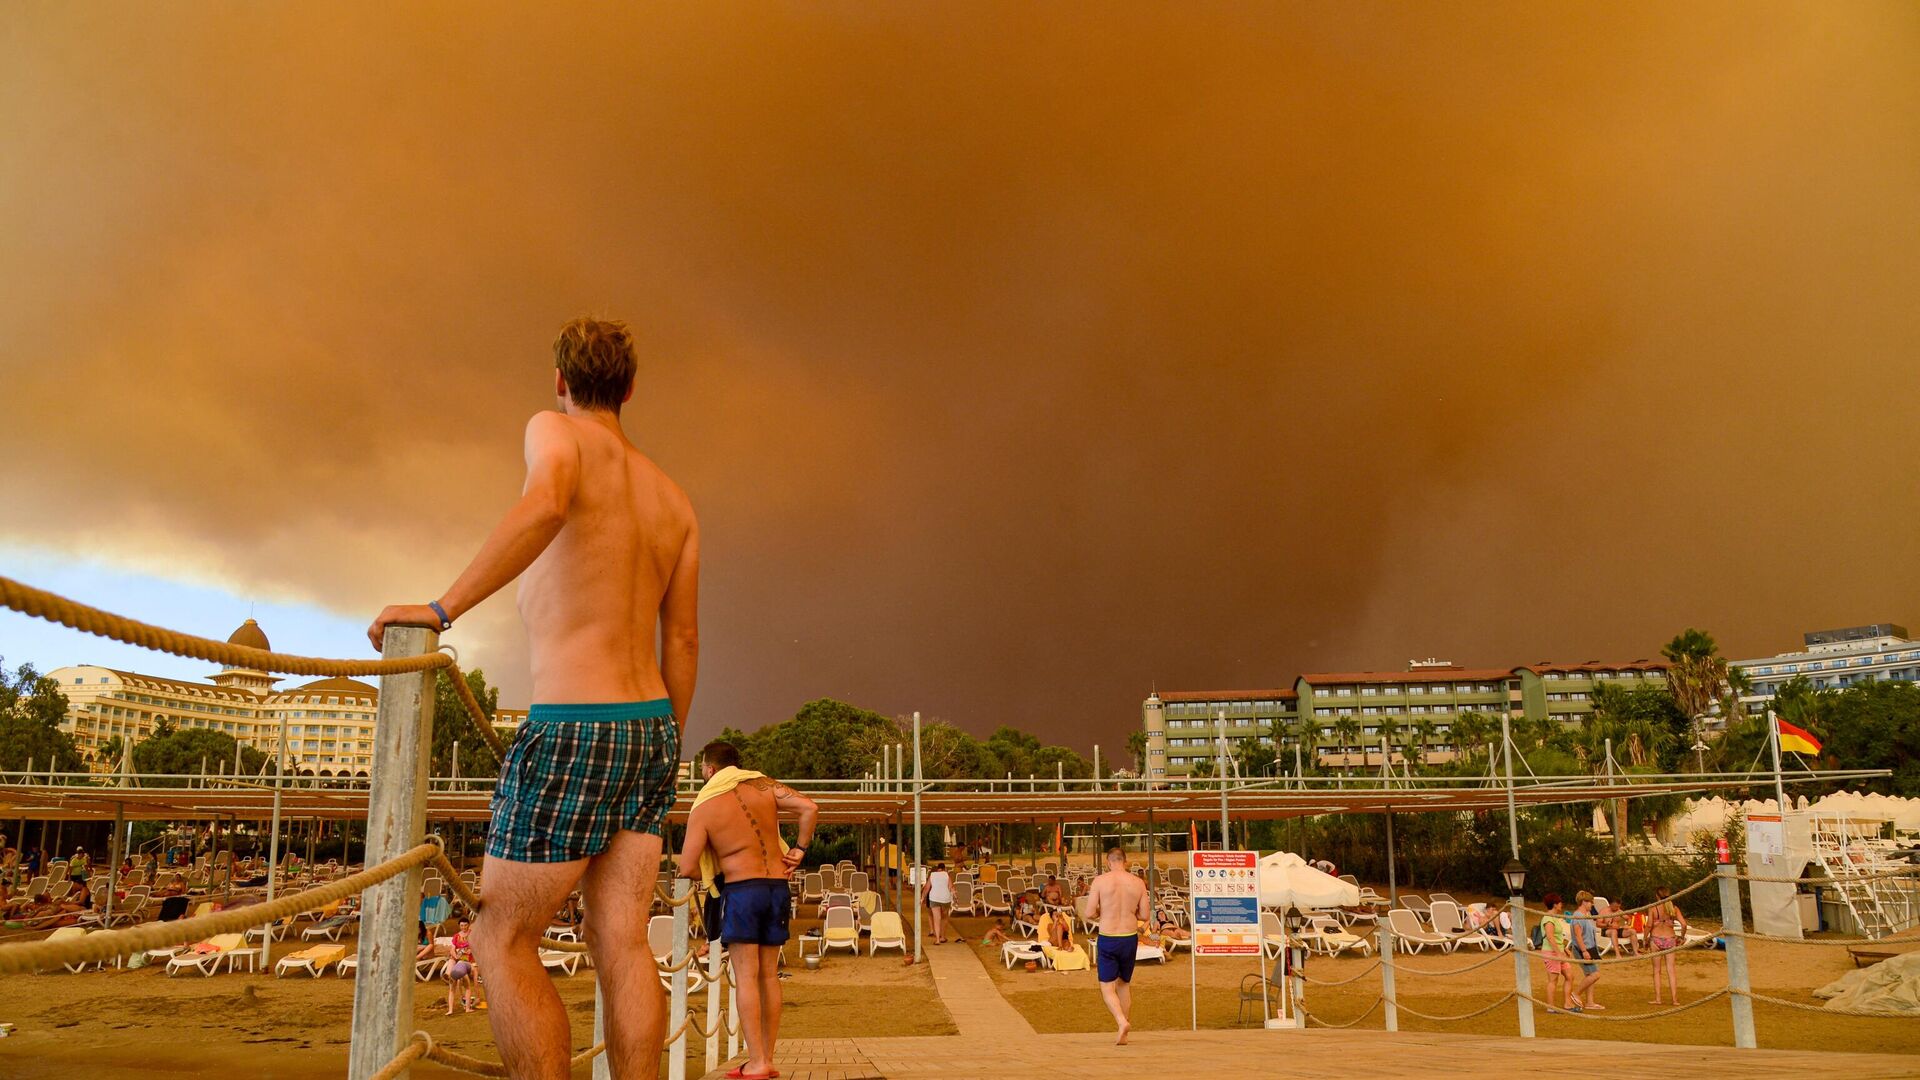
(733, 835)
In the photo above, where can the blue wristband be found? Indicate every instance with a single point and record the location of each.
(445, 623)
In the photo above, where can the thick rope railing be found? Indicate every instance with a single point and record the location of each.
(1828, 1010)
(1311, 1017)
(1612, 912)
(1890, 939)
(1495, 958)
(1911, 872)
(26, 956)
(421, 1045)
(52, 607)
(1361, 974)
(480, 718)
(1441, 1019)
(1559, 1011)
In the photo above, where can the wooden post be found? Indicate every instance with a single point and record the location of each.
(396, 817)
(677, 1010)
(1737, 980)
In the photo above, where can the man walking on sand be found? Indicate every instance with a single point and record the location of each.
(734, 831)
(1117, 901)
(607, 552)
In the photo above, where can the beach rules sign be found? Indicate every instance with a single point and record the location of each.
(1223, 896)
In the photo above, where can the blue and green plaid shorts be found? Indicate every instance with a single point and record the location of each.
(577, 774)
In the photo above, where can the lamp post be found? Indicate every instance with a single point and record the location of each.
(1516, 875)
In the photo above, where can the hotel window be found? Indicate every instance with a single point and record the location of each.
(1553, 675)
(1323, 712)
(1442, 708)
(1346, 712)
(1369, 691)
(1343, 691)
(1395, 710)
(1370, 710)
(1416, 689)
(1419, 709)
(1438, 688)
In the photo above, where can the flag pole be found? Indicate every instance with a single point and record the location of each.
(1779, 781)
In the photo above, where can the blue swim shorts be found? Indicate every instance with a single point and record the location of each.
(1116, 956)
(577, 774)
(755, 911)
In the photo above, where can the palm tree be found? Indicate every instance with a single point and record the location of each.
(1306, 732)
(1347, 730)
(1469, 731)
(1697, 673)
(1423, 731)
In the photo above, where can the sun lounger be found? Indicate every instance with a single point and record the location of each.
(331, 929)
(993, 900)
(567, 962)
(312, 960)
(1325, 932)
(1449, 922)
(1411, 935)
(205, 957)
(842, 930)
(68, 933)
(886, 933)
(1015, 952)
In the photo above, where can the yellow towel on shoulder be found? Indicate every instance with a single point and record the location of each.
(721, 783)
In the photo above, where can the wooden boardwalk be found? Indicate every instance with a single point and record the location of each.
(1308, 1055)
(996, 1043)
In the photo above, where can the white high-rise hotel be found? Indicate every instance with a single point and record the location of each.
(1835, 659)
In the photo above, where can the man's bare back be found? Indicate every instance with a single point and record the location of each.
(590, 601)
(1119, 901)
(742, 829)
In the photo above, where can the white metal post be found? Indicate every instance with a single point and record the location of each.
(273, 842)
(396, 819)
(1387, 945)
(716, 982)
(1737, 979)
(919, 934)
(1522, 974)
(677, 1010)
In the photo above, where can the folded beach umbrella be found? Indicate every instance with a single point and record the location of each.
(1287, 880)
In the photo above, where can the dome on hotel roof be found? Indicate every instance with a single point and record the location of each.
(249, 635)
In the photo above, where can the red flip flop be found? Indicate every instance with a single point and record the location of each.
(739, 1073)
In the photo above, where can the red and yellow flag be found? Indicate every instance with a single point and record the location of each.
(1796, 739)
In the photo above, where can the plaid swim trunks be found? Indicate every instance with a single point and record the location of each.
(578, 774)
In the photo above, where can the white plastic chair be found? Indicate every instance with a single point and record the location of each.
(1411, 935)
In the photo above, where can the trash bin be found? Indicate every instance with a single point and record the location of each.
(1809, 911)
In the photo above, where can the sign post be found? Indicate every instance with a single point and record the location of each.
(1223, 910)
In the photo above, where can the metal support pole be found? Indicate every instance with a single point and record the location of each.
(1513, 819)
(396, 815)
(677, 1009)
(1393, 872)
(1221, 756)
(1387, 945)
(113, 855)
(716, 983)
(733, 1021)
(1522, 972)
(919, 934)
(273, 843)
(1153, 867)
(1737, 979)
(602, 1066)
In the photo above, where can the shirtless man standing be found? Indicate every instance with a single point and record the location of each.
(606, 549)
(1117, 900)
(736, 823)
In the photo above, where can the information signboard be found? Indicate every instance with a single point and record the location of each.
(1223, 895)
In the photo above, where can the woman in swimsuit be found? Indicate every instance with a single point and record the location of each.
(1666, 928)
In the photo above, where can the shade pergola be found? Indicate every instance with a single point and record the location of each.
(941, 803)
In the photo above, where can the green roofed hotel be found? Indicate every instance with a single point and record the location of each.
(1353, 719)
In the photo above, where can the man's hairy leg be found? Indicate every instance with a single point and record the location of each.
(529, 1023)
(750, 987)
(770, 996)
(618, 890)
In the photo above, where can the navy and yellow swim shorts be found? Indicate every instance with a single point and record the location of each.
(577, 774)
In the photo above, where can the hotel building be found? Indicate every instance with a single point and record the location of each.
(1834, 660)
(329, 721)
(1352, 711)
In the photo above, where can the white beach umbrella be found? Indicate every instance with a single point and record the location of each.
(1287, 880)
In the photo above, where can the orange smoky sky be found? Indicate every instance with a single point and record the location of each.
(1017, 357)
